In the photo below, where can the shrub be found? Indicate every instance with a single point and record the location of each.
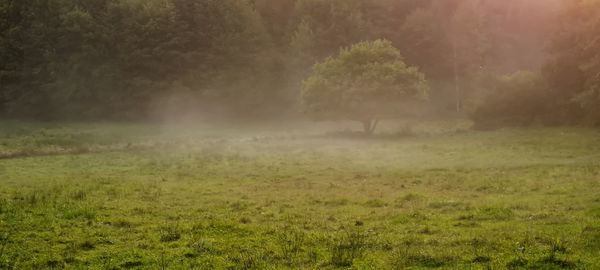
(517, 99)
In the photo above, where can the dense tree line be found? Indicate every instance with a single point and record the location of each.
(573, 73)
(114, 58)
(130, 58)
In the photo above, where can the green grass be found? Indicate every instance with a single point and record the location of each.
(118, 196)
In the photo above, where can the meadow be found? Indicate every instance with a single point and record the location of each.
(297, 196)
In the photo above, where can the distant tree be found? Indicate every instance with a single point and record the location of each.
(516, 99)
(566, 81)
(424, 43)
(574, 73)
(321, 27)
(276, 14)
(449, 41)
(366, 82)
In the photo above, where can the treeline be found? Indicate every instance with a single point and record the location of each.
(124, 59)
(117, 58)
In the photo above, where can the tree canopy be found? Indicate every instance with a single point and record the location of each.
(366, 82)
(574, 70)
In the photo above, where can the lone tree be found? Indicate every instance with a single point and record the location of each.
(366, 82)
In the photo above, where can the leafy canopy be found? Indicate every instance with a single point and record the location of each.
(364, 82)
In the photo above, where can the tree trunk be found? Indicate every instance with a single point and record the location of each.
(456, 76)
(366, 126)
(374, 126)
(369, 126)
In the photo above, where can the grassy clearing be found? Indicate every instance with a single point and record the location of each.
(115, 196)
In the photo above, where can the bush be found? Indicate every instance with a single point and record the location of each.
(517, 99)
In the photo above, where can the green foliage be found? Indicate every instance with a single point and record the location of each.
(517, 99)
(114, 58)
(131, 58)
(424, 43)
(126, 59)
(364, 82)
(565, 81)
(575, 70)
(332, 24)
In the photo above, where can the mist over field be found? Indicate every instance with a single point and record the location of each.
(299, 134)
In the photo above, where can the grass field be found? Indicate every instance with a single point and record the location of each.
(119, 196)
